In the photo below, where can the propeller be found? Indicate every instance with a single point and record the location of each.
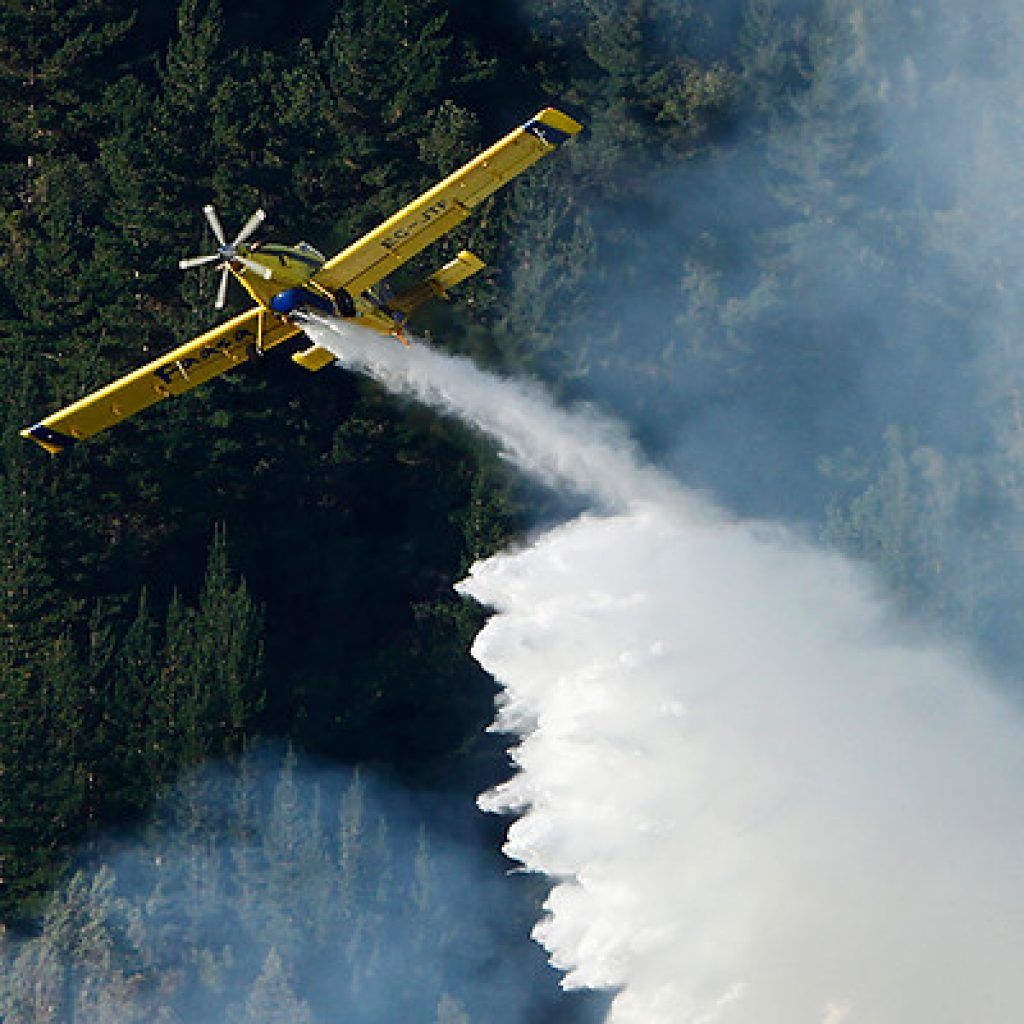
(227, 252)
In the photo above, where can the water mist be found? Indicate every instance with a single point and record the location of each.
(759, 795)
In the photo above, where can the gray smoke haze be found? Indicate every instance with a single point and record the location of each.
(761, 795)
(891, 171)
(280, 891)
(819, 319)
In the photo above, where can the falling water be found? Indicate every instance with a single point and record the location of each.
(761, 797)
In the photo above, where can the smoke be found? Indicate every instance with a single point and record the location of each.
(279, 890)
(760, 793)
(818, 319)
(762, 803)
(761, 797)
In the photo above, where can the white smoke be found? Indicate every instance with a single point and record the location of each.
(761, 799)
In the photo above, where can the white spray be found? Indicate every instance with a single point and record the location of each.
(761, 800)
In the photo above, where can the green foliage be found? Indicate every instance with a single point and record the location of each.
(130, 646)
(52, 57)
(92, 725)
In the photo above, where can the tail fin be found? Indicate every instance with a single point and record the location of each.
(466, 264)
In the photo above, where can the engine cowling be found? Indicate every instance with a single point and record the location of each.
(292, 299)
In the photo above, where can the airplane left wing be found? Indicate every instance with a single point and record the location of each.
(178, 371)
(370, 259)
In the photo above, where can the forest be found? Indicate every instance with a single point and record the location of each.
(783, 253)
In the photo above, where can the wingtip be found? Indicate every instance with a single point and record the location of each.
(46, 437)
(553, 126)
(560, 119)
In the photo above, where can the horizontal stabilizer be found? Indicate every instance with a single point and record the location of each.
(314, 358)
(466, 264)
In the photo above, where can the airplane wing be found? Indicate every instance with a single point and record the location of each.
(178, 371)
(437, 211)
(360, 266)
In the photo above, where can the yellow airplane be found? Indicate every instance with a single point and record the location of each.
(283, 280)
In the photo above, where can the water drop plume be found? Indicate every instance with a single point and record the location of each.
(761, 797)
(580, 451)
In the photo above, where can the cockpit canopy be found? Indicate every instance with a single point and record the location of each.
(310, 251)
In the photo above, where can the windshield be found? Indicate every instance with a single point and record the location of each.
(310, 250)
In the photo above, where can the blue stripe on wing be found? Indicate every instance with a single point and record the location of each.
(47, 435)
(544, 132)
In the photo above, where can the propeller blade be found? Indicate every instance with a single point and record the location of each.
(257, 268)
(197, 261)
(211, 216)
(222, 291)
(250, 226)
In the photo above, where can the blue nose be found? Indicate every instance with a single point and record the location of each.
(292, 298)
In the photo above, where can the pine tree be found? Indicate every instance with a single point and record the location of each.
(29, 609)
(228, 650)
(159, 160)
(54, 65)
(377, 114)
(250, 878)
(75, 969)
(300, 881)
(51, 66)
(127, 779)
(207, 692)
(272, 1000)
(44, 771)
(351, 843)
(183, 149)
(900, 521)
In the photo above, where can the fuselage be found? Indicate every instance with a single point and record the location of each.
(290, 286)
(291, 266)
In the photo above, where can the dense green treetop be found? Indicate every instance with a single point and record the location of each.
(785, 251)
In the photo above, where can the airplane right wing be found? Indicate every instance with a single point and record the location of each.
(370, 259)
